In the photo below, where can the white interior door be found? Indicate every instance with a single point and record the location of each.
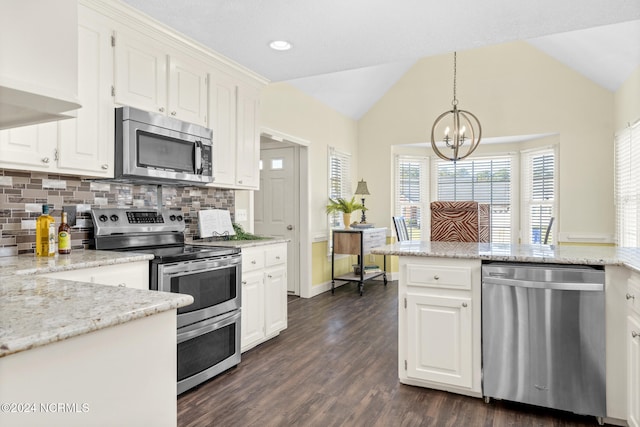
(276, 206)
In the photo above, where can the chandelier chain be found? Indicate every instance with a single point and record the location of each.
(455, 99)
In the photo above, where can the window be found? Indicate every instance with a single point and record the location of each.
(538, 195)
(627, 176)
(411, 199)
(485, 180)
(339, 182)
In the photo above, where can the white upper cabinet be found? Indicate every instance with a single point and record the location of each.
(29, 147)
(248, 139)
(234, 107)
(86, 143)
(151, 77)
(140, 72)
(78, 146)
(187, 90)
(38, 61)
(222, 110)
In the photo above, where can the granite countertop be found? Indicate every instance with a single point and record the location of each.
(239, 243)
(563, 254)
(36, 310)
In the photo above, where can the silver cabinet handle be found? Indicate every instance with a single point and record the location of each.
(173, 113)
(436, 277)
(269, 276)
(122, 285)
(629, 296)
(634, 334)
(253, 261)
(277, 257)
(244, 282)
(289, 227)
(45, 160)
(239, 181)
(105, 166)
(464, 304)
(161, 109)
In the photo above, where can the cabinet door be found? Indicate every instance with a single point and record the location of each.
(86, 142)
(633, 371)
(187, 99)
(222, 116)
(275, 300)
(29, 147)
(439, 339)
(248, 138)
(140, 72)
(252, 313)
(130, 275)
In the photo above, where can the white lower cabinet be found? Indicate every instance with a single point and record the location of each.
(264, 293)
(439, 324)
(131, 275)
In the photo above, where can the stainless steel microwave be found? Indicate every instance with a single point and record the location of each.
(155, 149)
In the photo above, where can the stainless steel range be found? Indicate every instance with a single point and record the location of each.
(208, 329)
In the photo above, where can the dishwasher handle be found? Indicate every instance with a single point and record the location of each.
(556, 286)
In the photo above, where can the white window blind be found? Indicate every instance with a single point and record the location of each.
(485, 180)
(627, 187)
(538, 195)
(339, 182)
(411, 196)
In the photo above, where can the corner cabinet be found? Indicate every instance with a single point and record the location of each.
(264, 293)
(633, 351)
(439, 324)
(77, 146)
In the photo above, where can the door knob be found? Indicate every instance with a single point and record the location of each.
(289, 227)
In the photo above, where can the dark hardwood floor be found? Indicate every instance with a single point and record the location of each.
(336, 365)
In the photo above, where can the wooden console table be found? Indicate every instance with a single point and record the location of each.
(358, 242)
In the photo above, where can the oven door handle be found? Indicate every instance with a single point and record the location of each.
(192, 333)
(196, 266)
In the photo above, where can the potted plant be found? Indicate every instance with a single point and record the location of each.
(347, 207)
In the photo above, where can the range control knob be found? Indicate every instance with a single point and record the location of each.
(179, 217)
(172, 217)
(103, 218)
(114, 217)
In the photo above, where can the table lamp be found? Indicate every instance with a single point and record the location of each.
(363, 191)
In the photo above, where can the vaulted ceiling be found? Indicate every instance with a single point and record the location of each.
(349, 53)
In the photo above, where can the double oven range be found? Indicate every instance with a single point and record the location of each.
(209, 329)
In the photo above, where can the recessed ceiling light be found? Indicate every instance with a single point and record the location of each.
(280, 45)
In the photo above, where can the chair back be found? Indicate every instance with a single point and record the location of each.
(401, 228)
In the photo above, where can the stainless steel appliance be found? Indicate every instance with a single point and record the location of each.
(543, 336)
(208, 334)
(153, 148)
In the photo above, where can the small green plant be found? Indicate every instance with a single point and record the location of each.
(243, 235)
(343, 205)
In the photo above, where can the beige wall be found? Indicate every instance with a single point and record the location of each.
(514, 89)
(287, 110)
(627, 101)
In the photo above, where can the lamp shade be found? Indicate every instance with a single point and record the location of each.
(362, 188)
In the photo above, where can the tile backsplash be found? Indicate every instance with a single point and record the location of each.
(22, 195)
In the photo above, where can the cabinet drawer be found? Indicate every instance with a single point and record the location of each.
(444, 277)
(633, 294)
(276, 255)
(252, 259)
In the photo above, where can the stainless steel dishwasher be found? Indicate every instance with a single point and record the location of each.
(543, 336)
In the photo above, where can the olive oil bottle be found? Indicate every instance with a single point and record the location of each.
(45, 234)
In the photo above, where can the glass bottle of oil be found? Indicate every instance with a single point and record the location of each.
(45, 231)
(64, 236)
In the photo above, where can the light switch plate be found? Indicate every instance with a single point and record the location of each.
(71, 215)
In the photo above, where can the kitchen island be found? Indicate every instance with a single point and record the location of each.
(440, 284)
(80, 353)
